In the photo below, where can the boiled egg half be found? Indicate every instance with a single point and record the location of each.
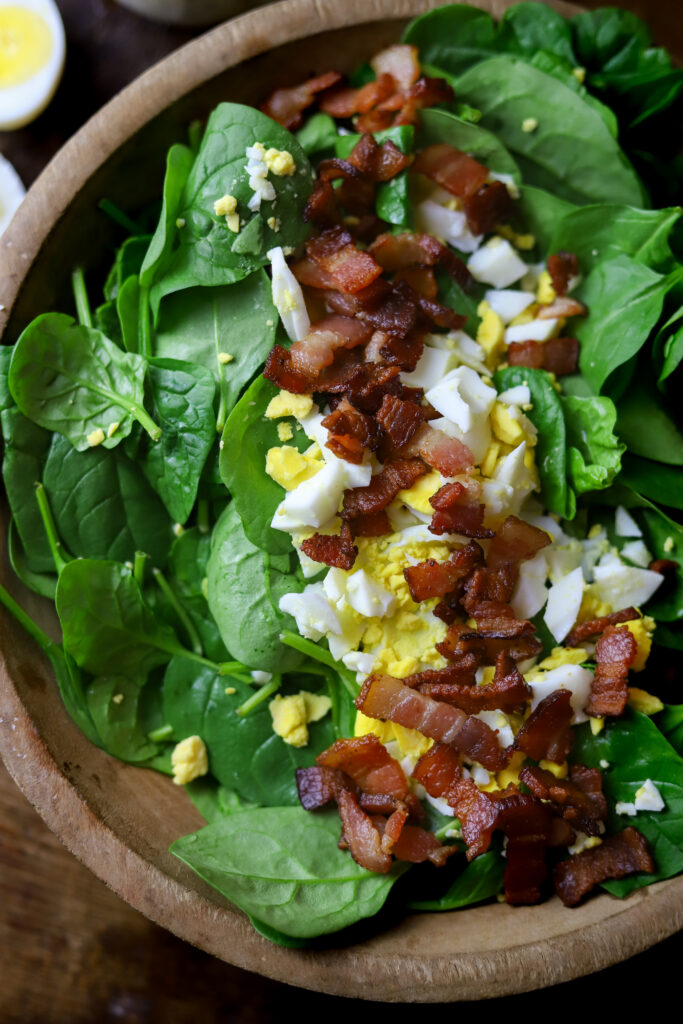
(31, 59)
(12, 192)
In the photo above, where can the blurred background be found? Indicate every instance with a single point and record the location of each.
(70, 950)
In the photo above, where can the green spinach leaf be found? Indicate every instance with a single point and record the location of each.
(114, 704)
(26, 448)
(594, 452)
(128, 313)
(670, 723)
(318, 136)
(392, 202)
(441, 126)
(179, 163)
(656, 481)
(642, 404)
(479, 880)
(282, 866)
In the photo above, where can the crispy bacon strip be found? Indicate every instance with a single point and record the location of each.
(349, 268)
(416, 845)
(507, 691)
(477, 815)
(438, 770)
(467, 520)
(368, 763)
(616, 857)
(387, 698)
(399, 419)
(583, 808)
(515, 541)
(497, 620)
(615, 652)
(393, 829)
(663, 565)
(403, 351)
(460, 639)
(400, 61)
(563, 306)
(317, 350)
(594, 627)
(486, 584)
(348, 422)
(333, 550)
(410, 249)
(490, 205)
(361, 836)
(286, 106)
(374, 525)
(318, 786)
(557, 355)
(345, 101)
(546, 734)
(562, 266)
(383, 488)
(436, 579)
(375, 162)
(525, 869)
(450, 456)
(458, 173)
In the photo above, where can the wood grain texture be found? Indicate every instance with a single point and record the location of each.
(119, 820)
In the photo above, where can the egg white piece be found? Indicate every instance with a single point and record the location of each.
(535, 330)
(288, 297)
(565, 677)
(623, 585)
(625, 525)
(496, 263)
(12, 192)
(508, 303)
(32, 47)
(564, 601)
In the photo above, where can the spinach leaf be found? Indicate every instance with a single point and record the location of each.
(528, 28)
(129, 260)
(113, 702)
(672, 348)
(539, 212)
(106, 623)
(452, 37)
(646, 423)
(179, 163)
(453, 295)
(282, 866)
(670, 723)
(568, 151)
(318, 136)
(479, 880)
(636, 750)
(72, 379)
(103, 505)
(245, 755)
(43, 583)
(188, 565)
(245, 442)
(204, 325)
(182, 397)
(441, 126)
(210, 253)
(6, 400)
(604, 231)
(245, 585)
(609, 40)
(659, 531)
(594, 453)
(128, 313)
(625, 300)
(392, 202)
(26, 447)
(548, 418)
(658, 482)
(561, 69)
(107, 321)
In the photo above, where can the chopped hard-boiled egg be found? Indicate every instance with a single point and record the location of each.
(12, 191)
(496, 263)
(564, 601)
(189, 760)
(508, 303)
(291, 715)
(31, 59)
(288, 467)
(465, 401)
(642, 630)
(288, 297)
(287, 404)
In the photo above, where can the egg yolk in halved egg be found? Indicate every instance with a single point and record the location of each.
(31, 59)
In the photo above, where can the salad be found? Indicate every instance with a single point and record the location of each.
(357, 496)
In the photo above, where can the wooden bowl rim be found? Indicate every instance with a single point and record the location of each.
(369, 970)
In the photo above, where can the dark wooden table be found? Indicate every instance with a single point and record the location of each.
(71, 952)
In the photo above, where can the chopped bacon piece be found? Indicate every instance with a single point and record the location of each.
(563, 306)
(337, 551)
(316, 351)
(663, 565)
(420, 279)
(583, 809)
(409, 249)
(375, 162)
(546, 734)
(594, 627)
(616, 857)
(375, 120)
(396, 314)
(281, 372)
(440, 451)
(400, 61)
(486, 584)
(477, 815)
(376, 524)
(557, 355)
(387, 698)
(366, 760)
(460, 639)
(615, 652)
(562, 266)
(399, 419)
(319, 785)
(438, 770)
(404, 352)
(458, 173)
(349, 267)
(427, 92)
(383, 488)
(361, 836)
(286, 106)
(416, 845)
(496, 619)
(393, 829)
(440, 315)
(515, 541)
(321, 206)
(346, 420)
(436, 579)
(346, 101)
(447, 496)
(525, 869)
(507, 691)
(490, 205)
(467, 520)
(309, 273)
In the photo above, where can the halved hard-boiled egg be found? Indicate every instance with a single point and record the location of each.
(31, 59)
(12, 192)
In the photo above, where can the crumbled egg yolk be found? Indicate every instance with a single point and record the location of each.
(563, 656)
(490, 334)
(189, 760)
(642, 630)
(292, 715)
(560, 771)
(279, 162)
(411, 743)
(418, 495)
(526, 316)
(226, 207)
(520, 241)
(287, 404)
(505, 427)
(545, 293)
(488, 463)
(289, 467)
(641, 700)
(96, 437)
(285, 432)
(591, 606)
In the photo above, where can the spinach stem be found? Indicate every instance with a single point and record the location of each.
(226, 668)
(58, 553)
(81, 298)
(118, 216)
(300, 643)
(183, 617)
(164, 732)
(144, 325)
(203, 516)
(194, 135)
(222, 405)
(143, 418)
(139, 566)
(258, 698)
(31, 627)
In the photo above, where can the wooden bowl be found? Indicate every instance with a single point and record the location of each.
(120, 820)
